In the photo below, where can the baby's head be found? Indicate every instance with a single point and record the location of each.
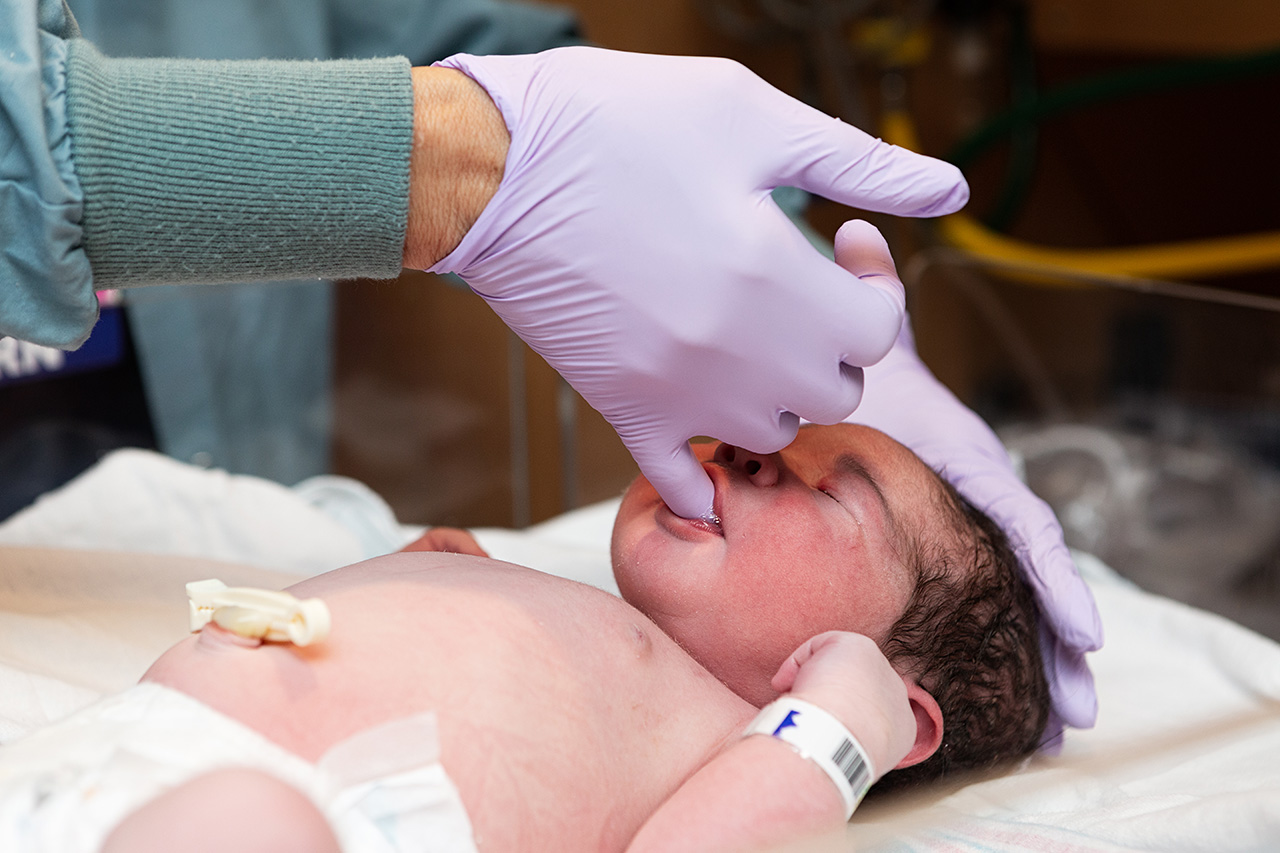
(846, 530)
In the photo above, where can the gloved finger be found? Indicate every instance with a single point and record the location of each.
(857, 324)
(826, 401)
(862, 250)
(1066, 604)
(1053, 575)
(757, 434)
(677, 476)
(1071, 683)
(836, 160)
(862, 306)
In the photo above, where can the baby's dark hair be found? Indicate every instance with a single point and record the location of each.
(970, 636)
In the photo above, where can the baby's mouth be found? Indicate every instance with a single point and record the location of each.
(713, 521)
(690, 529)
(711, 524)
(708, 524)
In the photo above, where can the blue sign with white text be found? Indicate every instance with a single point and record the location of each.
(21, 361)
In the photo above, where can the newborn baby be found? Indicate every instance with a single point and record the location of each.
(475, 704)
(844, 530)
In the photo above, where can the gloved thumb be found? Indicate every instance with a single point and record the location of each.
(862, 250)
(678, 477)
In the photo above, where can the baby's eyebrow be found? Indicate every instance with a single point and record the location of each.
(850, 464)
(847, 463)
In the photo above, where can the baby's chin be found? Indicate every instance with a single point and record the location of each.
(644, 565)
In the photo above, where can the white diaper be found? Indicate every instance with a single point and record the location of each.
(65, 787)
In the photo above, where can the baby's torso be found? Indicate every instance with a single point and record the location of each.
(565, 715)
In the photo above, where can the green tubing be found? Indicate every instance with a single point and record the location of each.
(1024, 136)
(1113, 86)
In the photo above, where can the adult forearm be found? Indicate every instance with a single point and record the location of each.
(460, 144)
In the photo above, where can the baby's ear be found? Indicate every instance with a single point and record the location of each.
(928, 725)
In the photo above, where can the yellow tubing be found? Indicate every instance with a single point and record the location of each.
(1193, 258)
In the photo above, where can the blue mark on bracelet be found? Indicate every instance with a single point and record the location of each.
(788, 722)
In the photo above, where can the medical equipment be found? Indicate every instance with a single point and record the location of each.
(260, 614)
(1146, 422)
(1158, 507)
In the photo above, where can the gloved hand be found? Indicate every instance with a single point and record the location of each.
(848, 676)
(634, 245)
(906, 401)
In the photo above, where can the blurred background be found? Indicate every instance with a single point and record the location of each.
(1140, 392)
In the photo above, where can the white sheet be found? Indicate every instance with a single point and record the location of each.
(1184, 756)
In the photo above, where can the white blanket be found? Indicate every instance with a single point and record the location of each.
(1184, 756)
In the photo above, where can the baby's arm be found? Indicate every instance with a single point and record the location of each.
(236, 809)
(451, 539)
(759, 792)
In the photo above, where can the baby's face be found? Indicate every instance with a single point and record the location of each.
(812, 539)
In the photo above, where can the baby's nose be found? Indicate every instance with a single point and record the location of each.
(760, 468)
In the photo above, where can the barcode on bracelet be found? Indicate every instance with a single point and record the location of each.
(850, 762)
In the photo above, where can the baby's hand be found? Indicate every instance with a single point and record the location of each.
(451, 539)
(849, 677)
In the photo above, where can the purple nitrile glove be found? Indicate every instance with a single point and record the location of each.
(633, 244)
(906, 401)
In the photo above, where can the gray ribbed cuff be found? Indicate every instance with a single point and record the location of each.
(198, 171)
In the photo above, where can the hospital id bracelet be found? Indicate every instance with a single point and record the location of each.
(821, 738)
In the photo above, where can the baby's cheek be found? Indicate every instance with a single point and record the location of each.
(802, 589)
(639, 570)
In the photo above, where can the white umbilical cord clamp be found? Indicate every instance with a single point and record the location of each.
(262, 614)
(818, 736)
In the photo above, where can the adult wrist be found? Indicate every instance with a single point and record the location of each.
(460, 144)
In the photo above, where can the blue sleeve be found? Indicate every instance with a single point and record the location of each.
(429, 30)
(46, 287)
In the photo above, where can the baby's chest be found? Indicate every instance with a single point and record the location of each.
(590, 755)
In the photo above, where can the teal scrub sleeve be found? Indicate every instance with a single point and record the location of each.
(205, 171)
(187, 171)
